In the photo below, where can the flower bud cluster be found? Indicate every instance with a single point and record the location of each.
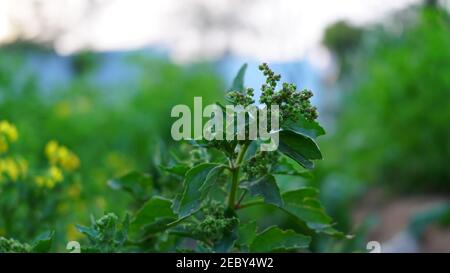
(291, 102)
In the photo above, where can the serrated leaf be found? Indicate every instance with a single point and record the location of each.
(265, 187)
(299, 147)
(238, 81)
(43, 242)
(153, 217)
(276, 239)
(197, 182)
(138, 184)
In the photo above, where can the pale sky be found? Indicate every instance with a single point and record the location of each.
(267, 30)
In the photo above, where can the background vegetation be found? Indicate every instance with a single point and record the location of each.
(390, 128)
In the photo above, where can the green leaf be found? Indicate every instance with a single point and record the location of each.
(285, 167)
(153, 216)
(91, 233)
(43, 242)
(177, 169)
(211, 179)
(299, 147)
(306, 127)
(303, 204)
(246, 233)
(197, 182)
(265, 187)
(300, 159)
(122, 234)
(226, 243)
(304, 207)
(275, 239)
(238, 81)
(252, 149)
(138, 184)
(301, 194)
(301, 143)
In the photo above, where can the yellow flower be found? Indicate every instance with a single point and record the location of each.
(71, 162)
(44, 182)
(51, 151)
(60, 155)
(60, 159)
(11, 169)
(63, 152)
(8, 130)
(55, 174)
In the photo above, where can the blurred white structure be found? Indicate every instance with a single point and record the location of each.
(269, 30)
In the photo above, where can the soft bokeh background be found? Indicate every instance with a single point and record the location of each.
(101, 76)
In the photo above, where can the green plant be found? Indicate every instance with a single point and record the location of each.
(42, 243)
(223, 178)
(32, 197)
(130, 124)
(106, 234)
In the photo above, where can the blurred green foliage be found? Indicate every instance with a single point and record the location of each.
(112, 131)
(393, 123)
(392, 126)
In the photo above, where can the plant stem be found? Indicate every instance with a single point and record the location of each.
(240, 200)
(251, 203)
(235, 175)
